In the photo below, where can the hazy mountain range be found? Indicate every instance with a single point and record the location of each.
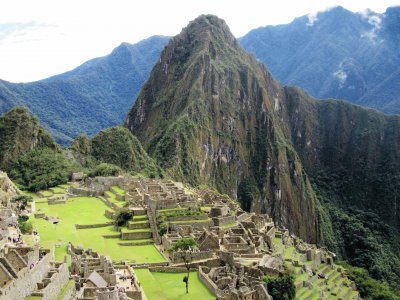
(94, 96)
(333, 54)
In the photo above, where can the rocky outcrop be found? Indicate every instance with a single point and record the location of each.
(7, 189)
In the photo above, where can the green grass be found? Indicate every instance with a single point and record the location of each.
(88, 210)
(139, 221)
(47, 193)
(229, 225)
(65, 289)
(140, 217)
(118, 190)
(58, 190)
(126, 230)
(112, 198)
(33, 195)
(301, 277)
(169, 286)
(288, 252)
(28, 239)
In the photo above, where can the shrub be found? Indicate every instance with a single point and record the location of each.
(40, 169)
(105, 169)
(281, 287)
(122, 217)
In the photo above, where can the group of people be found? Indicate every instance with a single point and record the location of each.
(16, 240)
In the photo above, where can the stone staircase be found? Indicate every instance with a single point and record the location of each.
(153, 226)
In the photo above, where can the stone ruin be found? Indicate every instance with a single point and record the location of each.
(30, 271)
(97, 277)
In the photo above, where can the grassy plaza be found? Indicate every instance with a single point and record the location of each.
(169, 286)
(87, 210)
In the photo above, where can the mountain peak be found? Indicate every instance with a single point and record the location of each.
(204, 29)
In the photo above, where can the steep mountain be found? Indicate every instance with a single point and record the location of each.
(21, 132)
(210, 113)
(327, 170)
(353, 159)
(116, 146)
(336, 54)
(92, 97)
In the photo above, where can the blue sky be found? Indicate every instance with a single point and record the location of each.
(42, 38)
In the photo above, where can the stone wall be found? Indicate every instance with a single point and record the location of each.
(169, 269)
(26, 283)
(83, 226)
(219, 221)
(133, 225)
(69, 292)
(209, 283)
(200, 225)
(58, 280)
(177, 258)
(77, 191)
(109, 214)
(187, 218)
(136, 235)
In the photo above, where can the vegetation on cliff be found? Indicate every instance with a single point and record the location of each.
(94, 96)
(117, 147)
(21, 132)
(207, 114)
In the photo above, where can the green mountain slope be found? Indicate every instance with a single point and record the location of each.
(21, 132)
(210, 113)
(92, 97)
(115, 146)
(327, 170)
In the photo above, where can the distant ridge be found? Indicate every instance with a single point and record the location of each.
(91, 97)
(336, 54)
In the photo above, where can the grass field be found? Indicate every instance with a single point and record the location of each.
(87, 210)
(169, 286)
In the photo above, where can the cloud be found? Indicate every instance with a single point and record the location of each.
(341, 75)
(376, 21)
(20, 32)
(313, 17)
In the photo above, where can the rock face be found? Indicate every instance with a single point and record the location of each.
(7, 189)
(210, 113)
(336, 54)
(21, 132)
(349, 151)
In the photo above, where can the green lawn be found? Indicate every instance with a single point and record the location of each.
(169, 286)
(47, 193)
(88, 210)
(118, 190)
(112, 198)
(58, 190)
(140, 218)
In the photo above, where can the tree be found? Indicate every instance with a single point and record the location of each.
(281, 287)
(40, 169)
(21, 201)
(185, 247)
(122, 217)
